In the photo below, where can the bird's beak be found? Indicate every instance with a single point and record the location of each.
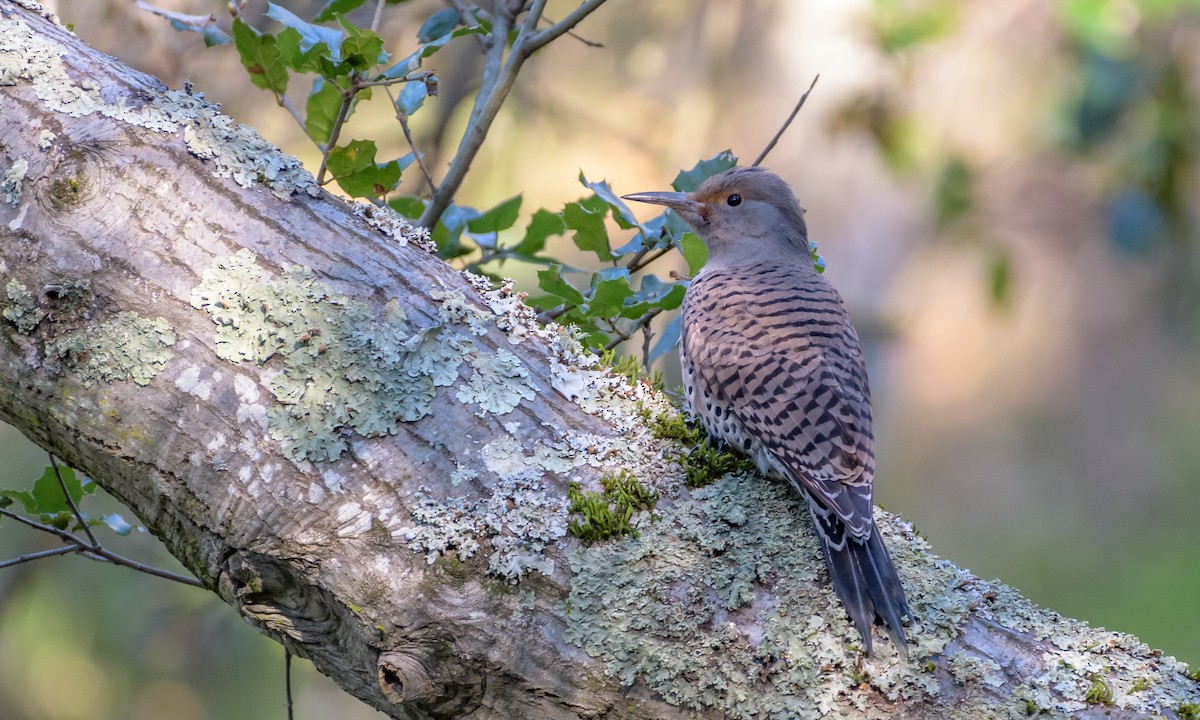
(681, 203)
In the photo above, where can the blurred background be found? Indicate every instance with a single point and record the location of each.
(1006, 196)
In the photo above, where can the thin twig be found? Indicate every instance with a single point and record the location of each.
(39, 555)
(336, 130)
(623, 335)
(498, 77)
(375, 28)
(287, 104)
(577, 36)
(71, 502)
(468, 15)
(647, 336)
(771, 145)
(287, 655)
(411, 146)
(553, 32)
(96, 552)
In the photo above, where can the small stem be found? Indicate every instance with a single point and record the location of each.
(71, 502)
(771, 145)
(496, 83)
(374, 28)
(408, 136)
(287, 656)
(286, 103)
(96, 552)
(336, 130)
(468, 15)
(639, 263)
(577, 36)
(551, 33)
(64, 550)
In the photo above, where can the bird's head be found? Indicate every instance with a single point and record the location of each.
(745, 215)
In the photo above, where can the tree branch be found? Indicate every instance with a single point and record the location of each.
(368, 458)
(498, 77)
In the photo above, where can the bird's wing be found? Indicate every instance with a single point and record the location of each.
(794, 377)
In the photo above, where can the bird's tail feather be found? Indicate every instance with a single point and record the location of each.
(865, 579)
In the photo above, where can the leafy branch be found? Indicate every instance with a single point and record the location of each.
(55, 503)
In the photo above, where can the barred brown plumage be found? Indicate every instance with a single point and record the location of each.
(773, 367)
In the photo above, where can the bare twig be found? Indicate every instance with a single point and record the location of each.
(39, 555)
(577, 36)
(771, 145)
(408, 136)
(468, 15)
(286, 103)
(374, 28)
(71, 501)
(623, 335)
(287, 656)
(557, 29)
(336, 130)
(96, 552)
(499, 74)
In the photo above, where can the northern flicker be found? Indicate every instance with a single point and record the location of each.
(772, 366)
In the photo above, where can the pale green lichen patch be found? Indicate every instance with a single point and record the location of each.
(498, 384)
(127, 347)
(237, 152)
(345, 369)
(14, 176)
(712, 606)
(22, 310)
(517, 521)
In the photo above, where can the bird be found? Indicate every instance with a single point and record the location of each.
(773, 367)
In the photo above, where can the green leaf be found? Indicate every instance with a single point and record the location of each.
(361, 48)
(620, 211)
(610, 289)
(590, 233)
(354, 167)
(498, 218)
(323, 106)
(260, 57)
(333, 8)
(655, 293)
(412, 97)
(48, 497)
(410, 206)
(439, 24)
(412, 63)
(310, 35)
(552, 281)
(291, 55)
(543, 224)
(694, 251)
(689, 180)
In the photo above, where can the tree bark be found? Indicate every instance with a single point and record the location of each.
(366, 453)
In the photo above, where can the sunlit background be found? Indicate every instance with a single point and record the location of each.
(1005, 194)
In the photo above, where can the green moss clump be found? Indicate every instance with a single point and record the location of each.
(1188, 711)
(671, 426)
(1139, 685)
(1099, 693)
(608, 514)
(629, 367)
(704, 464)
(1194, 674)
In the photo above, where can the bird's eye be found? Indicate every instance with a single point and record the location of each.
(734, 200)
